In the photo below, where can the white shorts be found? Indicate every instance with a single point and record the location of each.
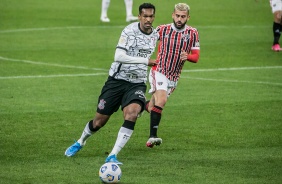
(276, 5)
(159, 81)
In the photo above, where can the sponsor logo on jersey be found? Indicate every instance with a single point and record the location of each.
(101, 104)
(140, 93)
(144, 51)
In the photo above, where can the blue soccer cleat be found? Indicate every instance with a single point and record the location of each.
(112, 158)
(73, 149)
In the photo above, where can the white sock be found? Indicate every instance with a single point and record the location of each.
(105, 6)
(128, 7)
(85, 134)
(124, 135)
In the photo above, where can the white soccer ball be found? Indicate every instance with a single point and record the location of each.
(110, 173)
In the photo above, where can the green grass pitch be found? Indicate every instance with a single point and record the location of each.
(222, 125)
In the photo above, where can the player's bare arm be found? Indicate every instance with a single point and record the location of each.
(152, 62)
(192, 57)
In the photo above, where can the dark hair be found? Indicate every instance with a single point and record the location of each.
(146, 6)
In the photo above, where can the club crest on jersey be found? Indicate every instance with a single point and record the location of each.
(185, 37)
(101, 104)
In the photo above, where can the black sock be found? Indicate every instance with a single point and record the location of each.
(156, 114)
(276, 32)
(128, 124)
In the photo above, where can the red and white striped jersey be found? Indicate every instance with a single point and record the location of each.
(171, 42)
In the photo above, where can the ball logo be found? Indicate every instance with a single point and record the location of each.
(110, 177)
(103, 169)
(114, 167)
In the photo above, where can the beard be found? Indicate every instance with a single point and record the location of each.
(179, 26)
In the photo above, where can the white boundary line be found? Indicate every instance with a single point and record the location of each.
(50, 64)
(234, 81)
(53, 76)
(122, 26)
(99, 74)
(234, 69)
(101, 69)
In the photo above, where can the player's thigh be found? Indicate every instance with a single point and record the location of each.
(158, 81)
(110, 98)
(277, 17)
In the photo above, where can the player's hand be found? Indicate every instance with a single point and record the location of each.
(152, 62)
(183, 55)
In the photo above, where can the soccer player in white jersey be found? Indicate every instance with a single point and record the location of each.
(276, 6)
(178, 43)
(126, 84)
(128, 7)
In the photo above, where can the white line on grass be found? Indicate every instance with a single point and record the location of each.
(234, 81)
(50, 64)
(101, 69)
(54, 76)
(234, 69)
(99, 74)
(122, 26)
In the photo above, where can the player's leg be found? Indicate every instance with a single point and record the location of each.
(129, 14)
(90, 128)
(130, 112)
(160, 97)
(159, 87)
(133, 103)
(108, 103)
(276, 31)
(277, 14)
(104, 11)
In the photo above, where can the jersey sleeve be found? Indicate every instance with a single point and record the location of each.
(126, 39)
(196, 40)
(159, 29)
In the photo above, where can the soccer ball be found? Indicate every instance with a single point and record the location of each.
(110, 173)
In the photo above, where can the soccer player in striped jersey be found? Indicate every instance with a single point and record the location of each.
(178, 43)
(276, 6)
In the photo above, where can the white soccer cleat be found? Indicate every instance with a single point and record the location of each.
(105, 19)
(154, 141)
(131, 18)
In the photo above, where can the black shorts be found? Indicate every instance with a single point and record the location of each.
(119, 93)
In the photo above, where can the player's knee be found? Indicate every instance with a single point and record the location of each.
(161, 102)
(100, 120)
(278, 17)
(132, 110)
